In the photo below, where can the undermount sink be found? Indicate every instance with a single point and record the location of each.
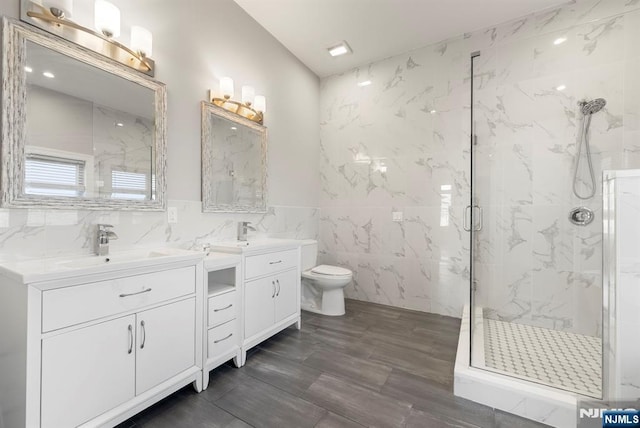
(124, 257)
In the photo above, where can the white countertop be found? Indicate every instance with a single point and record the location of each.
(51, 269)
(255, 246)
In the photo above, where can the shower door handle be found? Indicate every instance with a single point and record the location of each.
(478, 228)
(465, 218)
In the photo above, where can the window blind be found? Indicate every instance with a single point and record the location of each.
(128, 185)
(53, 176)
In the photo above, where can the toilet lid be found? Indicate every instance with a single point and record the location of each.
(330, 270)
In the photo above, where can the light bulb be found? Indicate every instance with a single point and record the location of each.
(141, 40)
(107, 18)
(226, 87)
(248, 93)
(260, 103)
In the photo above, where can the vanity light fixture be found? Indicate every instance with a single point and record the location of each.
(252, 106)
(341, 48)
(48, 75)
(53, 16)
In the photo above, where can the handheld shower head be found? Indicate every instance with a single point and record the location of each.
(593, 106)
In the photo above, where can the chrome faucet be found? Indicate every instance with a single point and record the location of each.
(102, 242)
(243, 226)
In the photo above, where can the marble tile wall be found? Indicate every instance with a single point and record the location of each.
(402, 144)
(28, 233)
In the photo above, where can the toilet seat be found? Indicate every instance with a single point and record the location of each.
(330, 270)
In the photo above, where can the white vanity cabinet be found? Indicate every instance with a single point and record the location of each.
(223, 334)
(269, 301)
(270, 287)
(101, 344)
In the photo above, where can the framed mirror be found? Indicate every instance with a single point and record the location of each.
(234, 162)
(79, 130)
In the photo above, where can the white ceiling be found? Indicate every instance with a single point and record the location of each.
(376, 29)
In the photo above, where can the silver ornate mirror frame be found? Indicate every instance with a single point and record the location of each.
(15, 36)
(208, 204)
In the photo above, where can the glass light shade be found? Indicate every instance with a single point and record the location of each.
(260, 103)
(141, 40)
(107, 18)
(61, 6)
(226, 87)
(248, 93)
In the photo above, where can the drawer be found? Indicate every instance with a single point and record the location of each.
(268, 263)
(222, 339)
(74, 305)
(222, 308)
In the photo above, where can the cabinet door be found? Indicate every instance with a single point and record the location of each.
(258, 301)
(287, 300)
(166, 343)
(87, 372)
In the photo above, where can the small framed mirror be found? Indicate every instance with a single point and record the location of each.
(234, 162)
(79, 130)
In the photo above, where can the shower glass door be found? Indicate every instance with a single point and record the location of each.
(536, 238)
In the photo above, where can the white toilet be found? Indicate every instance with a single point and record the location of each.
(322, 286)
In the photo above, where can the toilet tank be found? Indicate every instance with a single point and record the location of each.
(309, 254)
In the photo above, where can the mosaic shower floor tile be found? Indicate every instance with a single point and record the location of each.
(557, 358)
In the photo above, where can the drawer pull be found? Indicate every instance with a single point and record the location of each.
(130, 339)
(222, 309)
(278, 282)
(275, 263)
(224, 338)
(135, 294)
(144, 334)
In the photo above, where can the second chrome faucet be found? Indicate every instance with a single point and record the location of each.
(243, 227)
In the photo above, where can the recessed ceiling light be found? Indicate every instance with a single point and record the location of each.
(233, 128)
(120, 124)
(48, 74)
(561, 88)
(28, 69)
(339, 49)
(559, 40)
(365, 83)
(433, 111)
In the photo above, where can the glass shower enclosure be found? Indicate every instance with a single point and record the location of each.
(549, 115)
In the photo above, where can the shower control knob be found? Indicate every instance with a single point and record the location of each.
(581, 216)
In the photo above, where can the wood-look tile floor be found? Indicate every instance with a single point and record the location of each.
(376, 366)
